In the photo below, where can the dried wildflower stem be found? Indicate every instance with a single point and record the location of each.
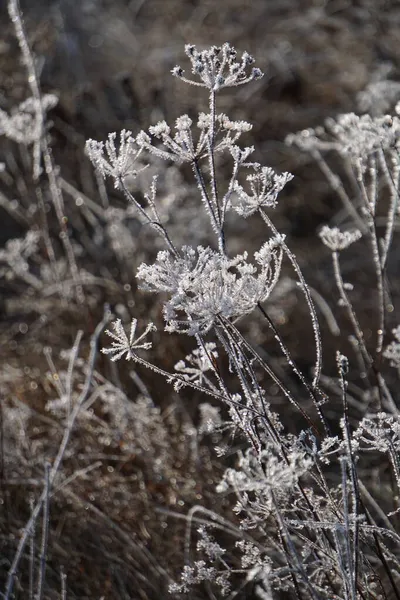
(395, 460)
(370, 206)
(349, 308)
(157, 225)
(237, 356)
(272, 374)
(293, 559)
(347, 462)
(228, 194)
(374, 504)
(70, 371)
(15, 16)
(381, 555)
(182, 382)
(41, 145)
(306, 292)
(326, 311)
(211, 160)
(214, 367)
(207, 202)
(393, 182)
(312, 391)
(338, 187)
(45, 533)
(63, 577)
(47, 240)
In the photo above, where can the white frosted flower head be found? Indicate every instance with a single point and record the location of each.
(160, 129)
(197, 363)
(239, 126)
(380, 432)
(337, 240)
(218, 67)
(122, 345)
(112, 161)
(177, 147)
(240, 155)
(183, 122)
(353, 136)
(360, 136)
(181, 145)
(265, 185)
(24, 124)
(392, 350)
(205, 286)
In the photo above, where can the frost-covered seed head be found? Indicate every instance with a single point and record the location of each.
(218, 68)
(338, 240)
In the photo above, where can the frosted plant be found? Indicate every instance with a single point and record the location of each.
(193, 575)
(112, 161)
(260, 479)
(198, 363)
(338, 240)
(351, 135)
(181, 147)
(22, 125)
(122, 345)
(368, 146)
(265, 186)
(381, 433)
(392, 350)
(206, 286)
(301, 495)
(218, 67)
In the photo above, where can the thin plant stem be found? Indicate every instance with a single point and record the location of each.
(349, 309)
(306, 292)
(311, 390)
(156, 224)
(41, 145)
(45, 533)
(370, 207)
(393, 182)
(274, 377)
